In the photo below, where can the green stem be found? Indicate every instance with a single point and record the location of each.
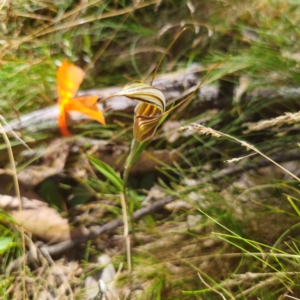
(126, 230)
(131, 159)
(124, 199)
(128, 164)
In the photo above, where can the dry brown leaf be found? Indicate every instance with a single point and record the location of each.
(102, 279)
(41, 220)
(149, 161)
(53, 162)
(7, 187)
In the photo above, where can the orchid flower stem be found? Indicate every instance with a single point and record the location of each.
(124, 199)
(130, 161)
(126, 229)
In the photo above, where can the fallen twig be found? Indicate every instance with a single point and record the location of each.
(45, 119)
(98, 230)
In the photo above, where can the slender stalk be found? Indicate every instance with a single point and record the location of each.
(17, 191)
(126, 230)
(124, 199)
(130, 160)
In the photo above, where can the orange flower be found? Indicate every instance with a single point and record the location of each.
(69, 78)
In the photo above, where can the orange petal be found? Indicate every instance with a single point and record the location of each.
(92, 112)
(88, 101)
(69, 78)
(62, 123)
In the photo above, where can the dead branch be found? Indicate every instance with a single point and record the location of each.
(46, 119)
(98, 230)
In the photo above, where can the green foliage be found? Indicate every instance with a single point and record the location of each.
(108, 172)
(9, 241)
(6, 243)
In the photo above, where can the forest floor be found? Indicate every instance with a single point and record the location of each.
(213, 197)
